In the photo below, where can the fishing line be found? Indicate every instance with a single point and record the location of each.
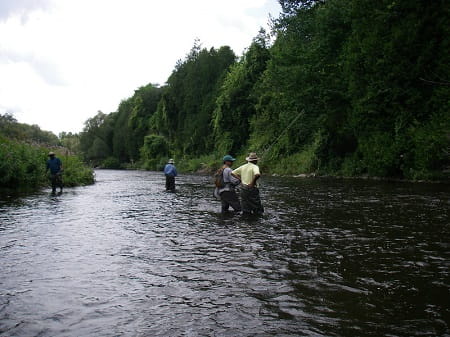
(264, 152)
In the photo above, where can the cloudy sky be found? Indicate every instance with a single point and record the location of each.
(63, 60)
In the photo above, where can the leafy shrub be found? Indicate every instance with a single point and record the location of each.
(75, 172)
(154, 150)
(380, 154)
(429, 157)
(111, 163)
(24, 165)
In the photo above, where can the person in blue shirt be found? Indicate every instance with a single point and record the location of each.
(54, 165)
(171, 172)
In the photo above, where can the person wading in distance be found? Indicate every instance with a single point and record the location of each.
(249, 174)
(54, 165)
(227, 192)
(170, 172)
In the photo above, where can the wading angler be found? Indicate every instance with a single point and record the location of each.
(170, 171)
(54, 165)
(249, 174)
(226, 182)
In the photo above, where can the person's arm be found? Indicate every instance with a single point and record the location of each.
(255, 178)
(256, 175)
(232, 174)
(234, 179)
(175, 173)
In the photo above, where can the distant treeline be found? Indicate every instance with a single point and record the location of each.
(343, 87)
(23, 155)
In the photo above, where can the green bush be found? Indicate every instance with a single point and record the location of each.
(24, 165)
(111, 163)
(154, 151)
(429, 156)
(380, 155)
(75, 172)
(19, 164)
(206, 163)
(298, 163)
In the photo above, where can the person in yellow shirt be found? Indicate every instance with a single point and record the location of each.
(249, 174)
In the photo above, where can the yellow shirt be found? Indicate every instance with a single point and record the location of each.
(247, 172)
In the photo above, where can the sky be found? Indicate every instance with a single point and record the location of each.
(61, 61)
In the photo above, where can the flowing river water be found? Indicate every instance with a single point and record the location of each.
(124, 258)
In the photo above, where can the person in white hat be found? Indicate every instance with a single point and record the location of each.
(54, 165)
(170, 172)
(249, 174)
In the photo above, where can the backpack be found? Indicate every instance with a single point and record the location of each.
(218, 179)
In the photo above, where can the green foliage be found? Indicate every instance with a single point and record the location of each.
(380, 155)
(204, 163)
(24, 165)
(75, 172)
(236, 100)
(430, 149)
(21, 164)
(95, 138)
(154, 151)
(11, 129)
(70, 141)
(120, 134)
(111, 163)
(189, 99)
(304, 161)
(356, 87)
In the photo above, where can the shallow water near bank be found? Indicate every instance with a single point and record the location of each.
(123, 257)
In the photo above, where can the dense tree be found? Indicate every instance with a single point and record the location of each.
(236, 100)
(70, 141)
(189, 99)
(10, 128)
(357, 87)
(95, 137)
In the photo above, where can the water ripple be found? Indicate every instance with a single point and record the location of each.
(123, 257)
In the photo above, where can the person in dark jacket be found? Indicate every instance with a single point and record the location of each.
(54, 165)
(170, 172)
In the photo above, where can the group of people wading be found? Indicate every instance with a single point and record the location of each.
(227, 180)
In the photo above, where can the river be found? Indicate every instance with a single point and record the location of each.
(124, 258)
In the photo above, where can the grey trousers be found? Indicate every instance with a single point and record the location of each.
(230, 198)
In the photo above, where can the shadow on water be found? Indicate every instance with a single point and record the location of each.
(124, 257)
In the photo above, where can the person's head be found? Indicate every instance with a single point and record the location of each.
(228, 160)
(171, 161)
(252, 158)
(51, 154)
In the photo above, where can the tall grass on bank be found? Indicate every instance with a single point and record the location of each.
(76, 173)
(23, 165)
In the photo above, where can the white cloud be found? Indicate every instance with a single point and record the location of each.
(69, 59)
(21, 8)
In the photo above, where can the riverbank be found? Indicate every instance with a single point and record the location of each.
(301, 166)
(24, 166)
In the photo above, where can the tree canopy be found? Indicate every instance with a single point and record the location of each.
(354, 87)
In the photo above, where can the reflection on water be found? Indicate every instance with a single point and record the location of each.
(123, 257)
